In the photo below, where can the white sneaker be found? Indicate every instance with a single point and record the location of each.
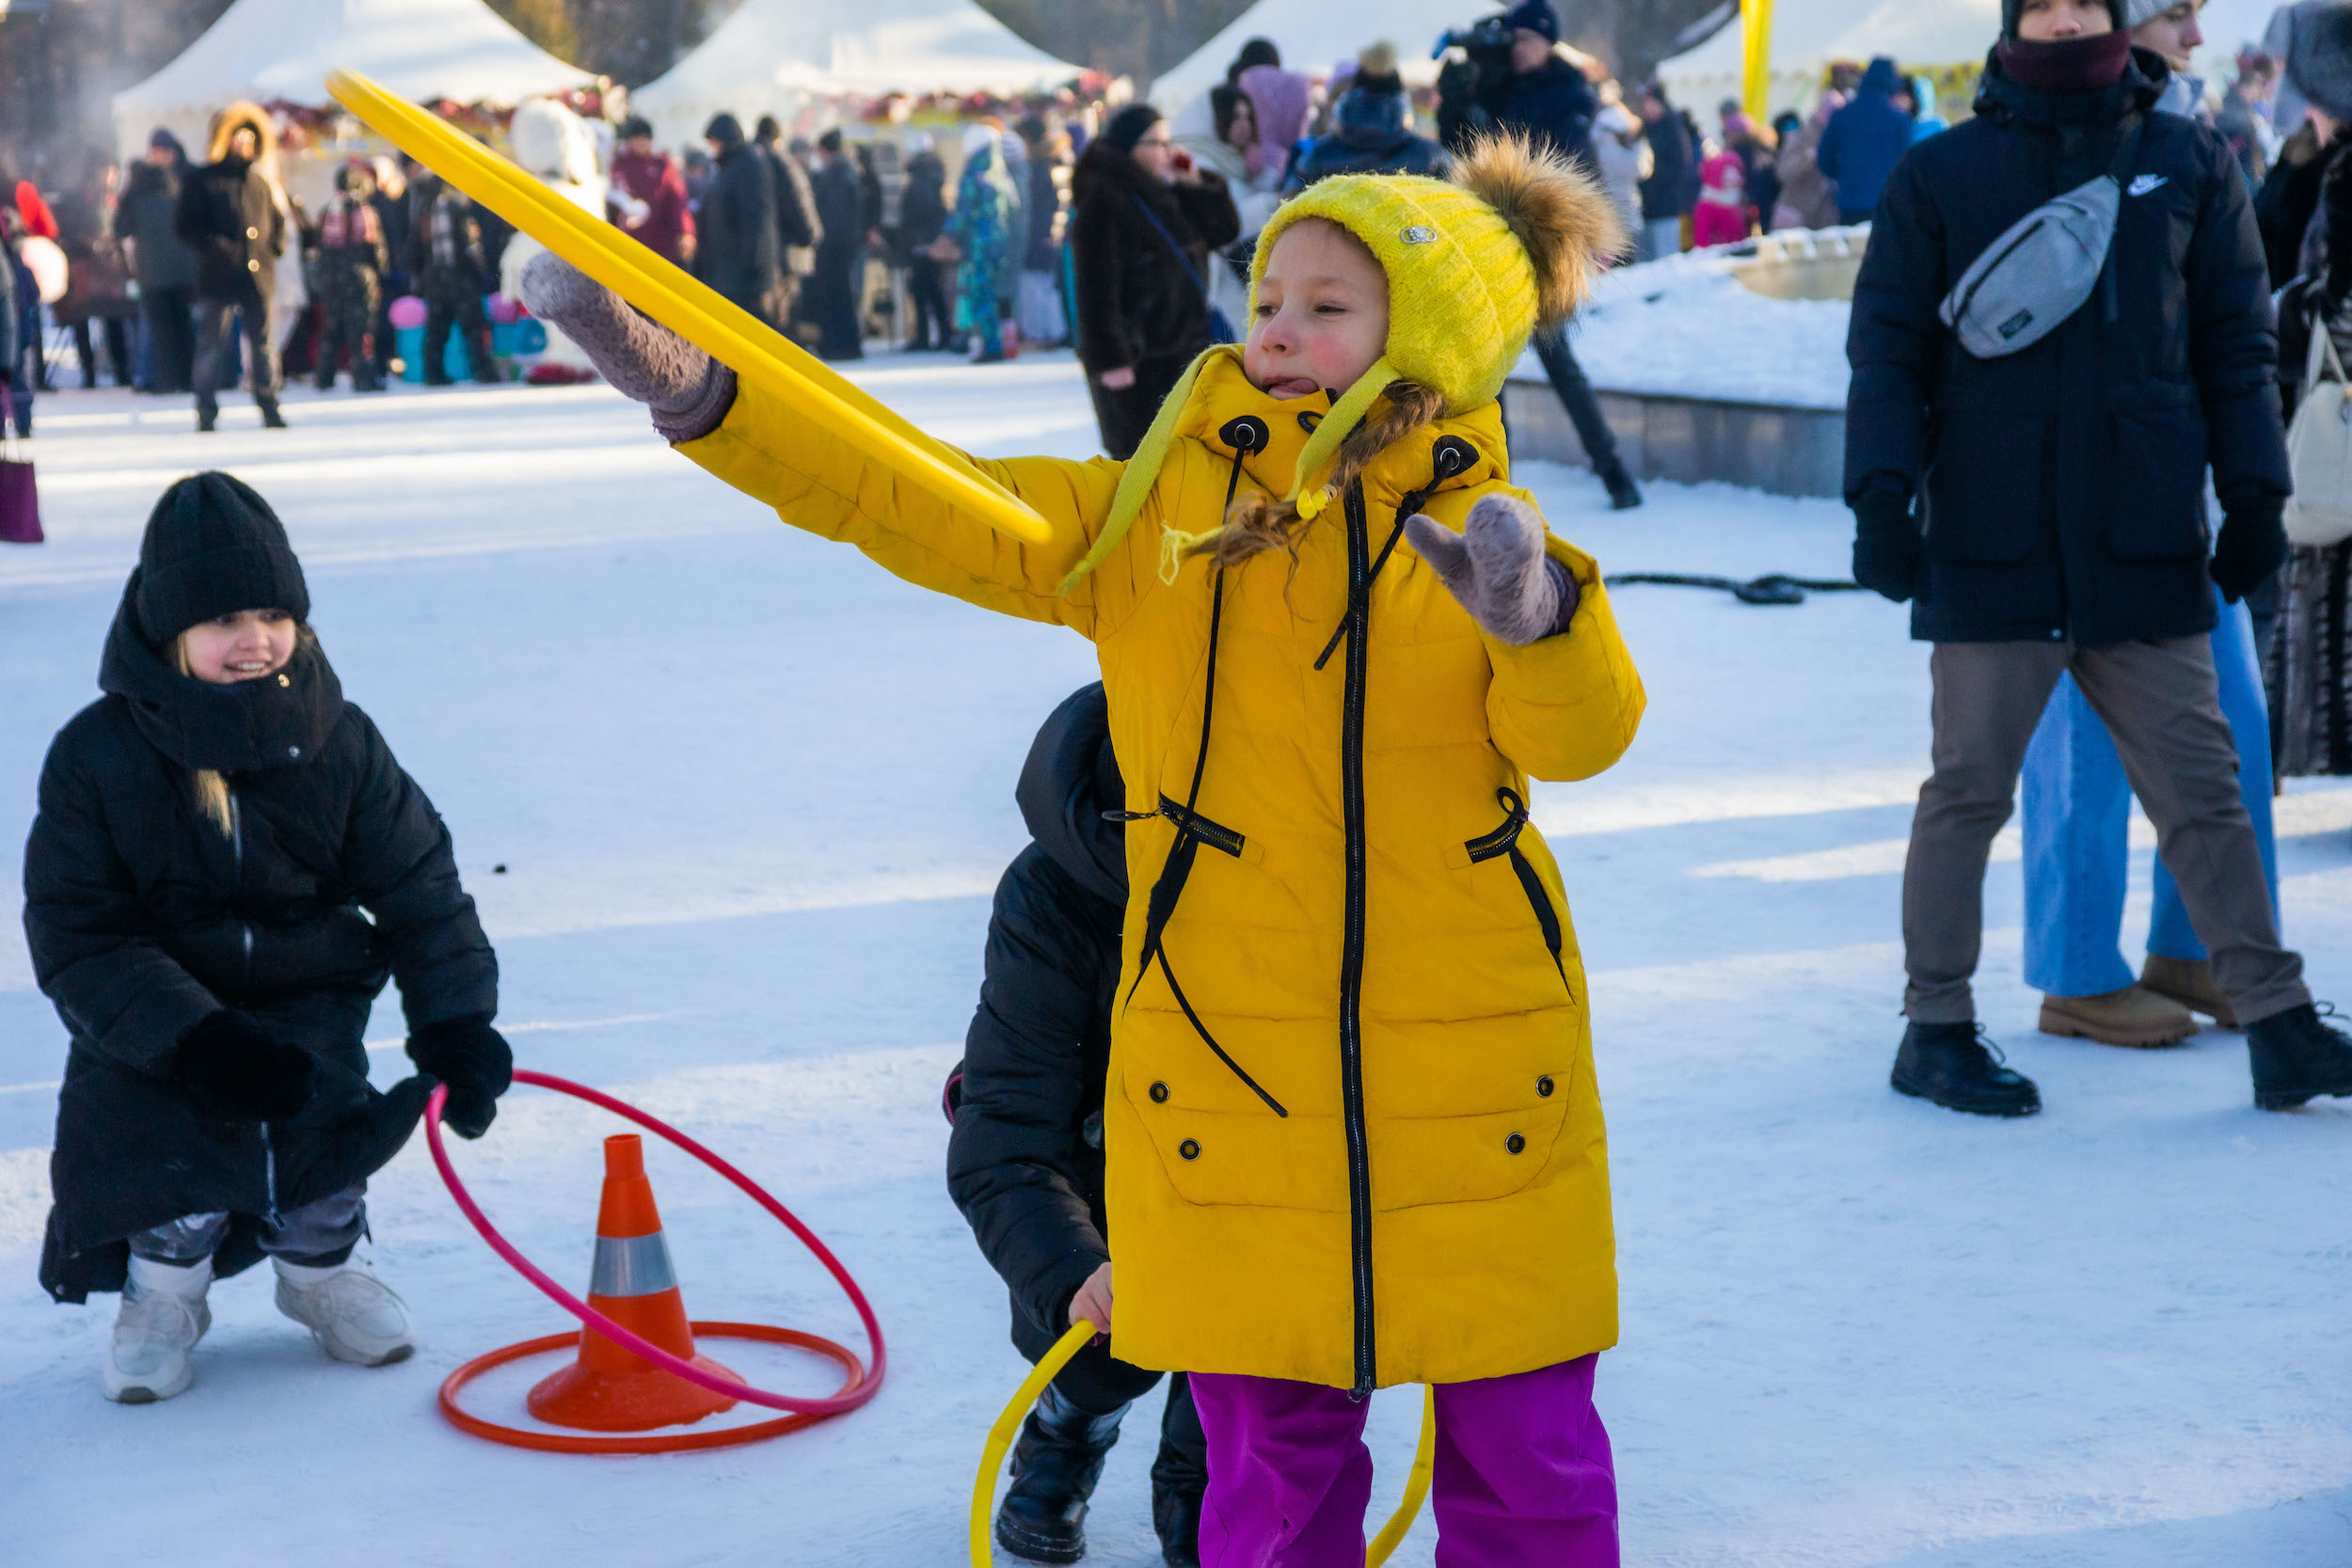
(353, 1315)
(163, 1315)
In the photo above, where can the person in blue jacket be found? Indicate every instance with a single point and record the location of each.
(1864, 141)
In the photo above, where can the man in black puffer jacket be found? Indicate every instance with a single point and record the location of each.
(2045, 512)
(1549, 101)
(1024, 1163)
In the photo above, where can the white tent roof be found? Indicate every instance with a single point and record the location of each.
(1316, 34)
(284, 49)
(1808, 34)
(772, 55)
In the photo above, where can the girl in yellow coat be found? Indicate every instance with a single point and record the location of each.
(1352, 1131)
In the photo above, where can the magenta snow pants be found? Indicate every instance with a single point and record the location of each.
(1524, 1478)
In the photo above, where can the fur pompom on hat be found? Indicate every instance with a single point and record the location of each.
(1477, 263)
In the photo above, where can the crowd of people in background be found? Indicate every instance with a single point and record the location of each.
(1102, 226)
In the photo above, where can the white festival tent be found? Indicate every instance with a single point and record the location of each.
(269, 50)
(776, 56)
(1807, 35)
(1920, 34)
(1316, 34)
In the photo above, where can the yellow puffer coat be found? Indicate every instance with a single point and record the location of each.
(1369, 930)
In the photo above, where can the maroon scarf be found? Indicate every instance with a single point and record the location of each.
(2069, 65)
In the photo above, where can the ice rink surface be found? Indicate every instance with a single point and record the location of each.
(750, 795)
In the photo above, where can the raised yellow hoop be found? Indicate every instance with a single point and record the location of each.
(834, 410)
(1007, 1425)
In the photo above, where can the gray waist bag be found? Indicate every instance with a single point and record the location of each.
(2042, 269)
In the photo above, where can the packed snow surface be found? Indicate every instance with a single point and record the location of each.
(1686, 327)
(751, 795)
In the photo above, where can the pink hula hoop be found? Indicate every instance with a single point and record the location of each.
(636, 1344)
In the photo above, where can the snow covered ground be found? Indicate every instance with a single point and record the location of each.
(750, 796)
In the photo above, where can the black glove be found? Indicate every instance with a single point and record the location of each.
(473, 1060)
(237, 1073)
(2253, 545)
(1885, 539)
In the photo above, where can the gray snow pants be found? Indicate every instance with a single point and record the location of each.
(2161, 703)
(317, 1235)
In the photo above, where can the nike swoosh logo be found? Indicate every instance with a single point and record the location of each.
(2147, 182)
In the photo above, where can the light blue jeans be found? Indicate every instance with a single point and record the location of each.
(2077, 809)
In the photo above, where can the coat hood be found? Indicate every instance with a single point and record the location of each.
(225, 124)
(1069, 779)
(1371, 116)
(277, 721)
(1884, 78)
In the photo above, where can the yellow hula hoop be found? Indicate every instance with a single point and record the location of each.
(756, 352)
(1007, 1425)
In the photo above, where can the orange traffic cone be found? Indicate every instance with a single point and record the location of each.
(608, 1388)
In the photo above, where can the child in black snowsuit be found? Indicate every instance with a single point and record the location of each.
(227, 866)
(1025, 1161)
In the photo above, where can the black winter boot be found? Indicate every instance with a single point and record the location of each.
(1624, 495)
(1056, 1462)
(2296, 1057)
(207, 411)
(1956, 1068)
(271, 418)
(1180, 1478)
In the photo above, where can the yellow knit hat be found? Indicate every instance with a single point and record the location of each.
(1476, 265)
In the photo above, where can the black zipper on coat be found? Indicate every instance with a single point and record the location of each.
(1506, 841)
(245, 930)
(1359, 575)
(236, 852)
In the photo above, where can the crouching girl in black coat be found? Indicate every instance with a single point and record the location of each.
(226, 867)
(1025, 1161)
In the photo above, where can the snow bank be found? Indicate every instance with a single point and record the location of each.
(1686, 327)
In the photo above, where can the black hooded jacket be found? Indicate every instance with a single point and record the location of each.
(1369, 136)
(1024, 1163)
(2063, 486)
(738, 248)
(144, 918)
(1137, 299)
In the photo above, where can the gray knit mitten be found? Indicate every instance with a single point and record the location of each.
(688, 391)
(1496, 566)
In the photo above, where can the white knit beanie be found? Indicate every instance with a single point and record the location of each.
(2137, 11)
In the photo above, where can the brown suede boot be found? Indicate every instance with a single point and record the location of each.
(2134, 1016)
(2190, 982)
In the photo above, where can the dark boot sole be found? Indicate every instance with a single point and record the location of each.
(2006, 1108)
(2291, 1100)
(1031, 1550)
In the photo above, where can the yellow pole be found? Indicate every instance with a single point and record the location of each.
(829, 405)
(1008, 1427)
(1755, 76)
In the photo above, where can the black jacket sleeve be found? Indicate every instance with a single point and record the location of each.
(1017, 1164)
(1209, 208)
(1895, 341)
(92, 954)
(403, 872)
(2232, 342)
